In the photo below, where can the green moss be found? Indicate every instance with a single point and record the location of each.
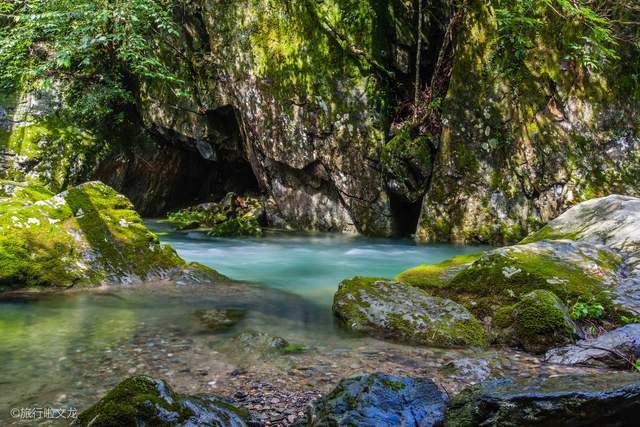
(498, 280)
(81, 237)
(113, 228)
(548, 232)
(59, 149)
(142, 400)
(135, 398)
(539, 321)
(214, 274)
(293, 349)
(436, 275)
(351, 310)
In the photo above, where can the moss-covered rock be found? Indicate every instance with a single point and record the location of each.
(538, 322)
(232, 216)
(529, 130)
(85, 236)
(501, 277)
(145, 401)
(397, 311)
(436, 275)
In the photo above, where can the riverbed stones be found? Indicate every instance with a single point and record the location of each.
(615, 349)
(380, 400)
(145, 401)
(394, 310)
(219, 320)
(86, 236)
(539, 321)
(611, 399)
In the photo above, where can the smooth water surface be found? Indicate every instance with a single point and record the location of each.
(310, 265)
(67, 350)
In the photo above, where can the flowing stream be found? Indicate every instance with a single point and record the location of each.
(65, 351)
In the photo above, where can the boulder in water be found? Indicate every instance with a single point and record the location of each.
(380, 400)
(394, 310)
(145, 401)
(85, 236)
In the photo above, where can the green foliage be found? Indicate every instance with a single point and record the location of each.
(96, 52)
(234, 216)
(626, 320)
(587, 31)
(582, 310)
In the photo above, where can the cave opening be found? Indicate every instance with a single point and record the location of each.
(406, 215)
(171, 171)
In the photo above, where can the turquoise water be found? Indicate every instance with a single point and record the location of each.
(66, 350)
(310, 265)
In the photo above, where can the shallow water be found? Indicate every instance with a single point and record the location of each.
(65, 351)
(310, 265)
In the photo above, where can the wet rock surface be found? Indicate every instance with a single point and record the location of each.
(585, 400)
(395, 310)
(614, 349)
(380, 400)
(143, 400)
(217, 320)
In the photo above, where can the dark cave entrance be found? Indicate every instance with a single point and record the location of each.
(406, 215)
(173, 171)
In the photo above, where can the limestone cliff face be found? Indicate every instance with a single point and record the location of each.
(310, 105)
(521, 145)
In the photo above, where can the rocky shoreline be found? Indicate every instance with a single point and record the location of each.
(447, 337)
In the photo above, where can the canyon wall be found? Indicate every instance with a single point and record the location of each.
(312, 106)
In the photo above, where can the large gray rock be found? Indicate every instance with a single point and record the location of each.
(593, 400)
(608, 224)
(615, 349)
(398, 311)
(380, 400)
(145, 401)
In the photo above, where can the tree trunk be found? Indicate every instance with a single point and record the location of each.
(418, 60)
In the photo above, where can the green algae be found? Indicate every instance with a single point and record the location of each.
(436, 275)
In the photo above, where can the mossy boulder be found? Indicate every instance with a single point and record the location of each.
(501, 277)
(145, 401)
(85, 236)
(394, 310)
(380, 400)
(538, 322)
(428, 276)
(232, 216)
